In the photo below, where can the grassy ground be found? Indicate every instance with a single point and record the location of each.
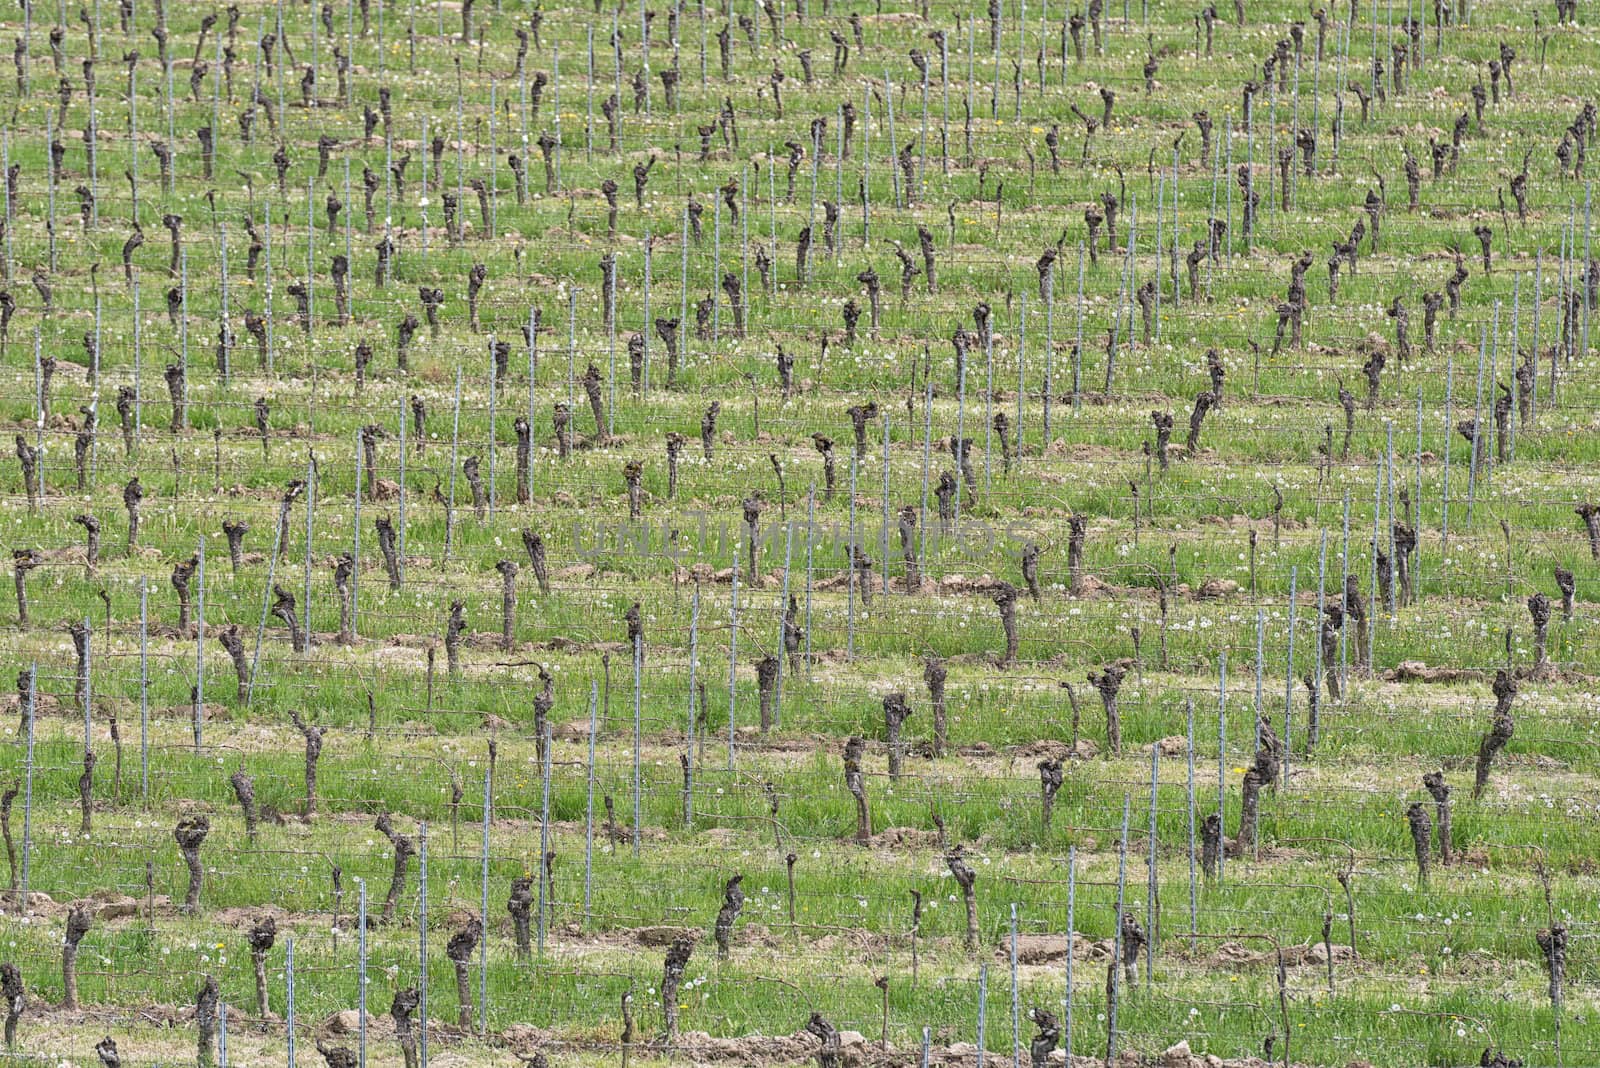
(1438, 971)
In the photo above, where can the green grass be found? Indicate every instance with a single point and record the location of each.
(1442, 971)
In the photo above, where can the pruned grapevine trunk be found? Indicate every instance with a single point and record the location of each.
(1269, 751)
(182, 572)
(895, 713)
(965, 877)
(543, 702)
(860, 415)
(861, 572)
(459, 950)
(1108, 682)
(455, 624)
(205, 1020)
(86, 792)
(1249, 813)
(508, 603)
(22, 562)
(945, 492)
(1439, 790)
(6, 801)
(1553, 944)
(313, 737)
(708, 430)
(672, 970)
(190, 833)
(1050, 780)
(263, 933)
(934, 674)
(1539, 613)
(824, 446)
(132, 494)
(1046, 1040)
(1210, 844)
(732, 904)
(534, 544)
(961, 451)
(91, 548)
(234, 531)
(1133, 941)
(476, 275)
(930, 263)
(1202, 404)
(634, 618)
(794, 635)
(291, 493)
(855, 782)
(1373, 370)
(337, 1056)
(766, 685)
(1078, 528)
(419, 422)
(176, 391)
(520, 905)
(591, 383)
(1569, 588)
(667, 331)
(675, 443)
(1501, 728)
(1030, 569)
(387, 547)
(403, 851)
(343, 569)
(1405, 544)
(1355, 608)
(471, 469)
(1145, 296)
(752, 507)
(125, 405)
(80, 634)
(1332, 622)
(1476, 439)
(283, 608)
(1421, 839)
(830, 1055)
(524, 459)
(400, 1010)
(908, 547)
(12, 991)
(1005, 599)
(244, 791)
(370, 435)
(79, 919)
(1163, 423)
